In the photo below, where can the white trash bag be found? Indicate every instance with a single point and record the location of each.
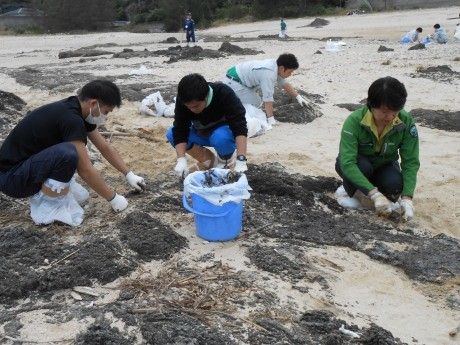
(333, 46)
(212, 185)
(141, 71)
(156, 100)
(256, 121)
(45, 209)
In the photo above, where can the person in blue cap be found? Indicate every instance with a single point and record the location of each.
(189, 29)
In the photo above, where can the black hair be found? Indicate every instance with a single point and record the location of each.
(192, 87)
(103, 90)
(288, 61)
(388, 92)
(436, 26)
(419, 29)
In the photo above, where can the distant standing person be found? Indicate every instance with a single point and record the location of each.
(440, 34)
(249, 77)
(283, 29)
(457, 33)
(413, 35)
(189, 29)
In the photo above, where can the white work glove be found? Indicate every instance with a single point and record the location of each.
(271, 120)
(407, 207)
(135, 181)
(302, 101)
(382, 204)
(241, 166)
(118, 203)
(181, 167)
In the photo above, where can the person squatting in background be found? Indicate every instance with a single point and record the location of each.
(208, 114)
(413, 36)
(41, 154)
(440, 34)
(248, 77)
(372, 140)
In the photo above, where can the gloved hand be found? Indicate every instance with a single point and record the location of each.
(118, 203)
(135, 181)
(240, 166)
(181, 168)
(271, 120)
(408, 209)
(382, 204)
(302, 101)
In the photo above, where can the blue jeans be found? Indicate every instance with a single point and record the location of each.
(221, 139)
(387, 178)
(58, 162)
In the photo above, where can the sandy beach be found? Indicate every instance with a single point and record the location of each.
(355, 282)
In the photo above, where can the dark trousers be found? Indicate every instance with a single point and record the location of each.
(190, 37)
(387, 178)
(58, 162)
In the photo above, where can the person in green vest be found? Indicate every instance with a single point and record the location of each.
(379, 150)
(283, 29)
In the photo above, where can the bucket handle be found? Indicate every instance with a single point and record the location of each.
(212, 215)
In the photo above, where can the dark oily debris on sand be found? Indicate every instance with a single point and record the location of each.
(442, 73)
(211, 179)
(319, 23)
(283, 98)
(288, 110)
(349, 106)
(23, 254)
(439, 119)
(149, 238)
(128, 53)
(171, 40)
(103, 333)
(56, 79)
(12, 109)
(229, 48)
(294, 204)
(82, 52)
(417, 46)
(194, 54)
(384, 49)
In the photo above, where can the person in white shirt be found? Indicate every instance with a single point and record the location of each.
(248, 77)
(414, 35)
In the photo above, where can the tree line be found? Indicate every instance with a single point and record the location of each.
(67, 15)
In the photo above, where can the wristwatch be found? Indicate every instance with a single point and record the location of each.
(241, 158)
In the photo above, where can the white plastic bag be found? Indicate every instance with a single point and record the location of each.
(156, 100)
(141, 71)
(197, 183)
(256, 121)
(332, 46)
(45, 209)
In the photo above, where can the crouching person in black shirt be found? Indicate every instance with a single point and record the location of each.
(41, 154)
(208, 114)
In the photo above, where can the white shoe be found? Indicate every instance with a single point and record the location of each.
(271, 120)
(226, 163)
(78, 191)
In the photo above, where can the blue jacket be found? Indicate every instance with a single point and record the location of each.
(189, 25)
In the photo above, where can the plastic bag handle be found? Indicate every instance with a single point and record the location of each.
(212, 215)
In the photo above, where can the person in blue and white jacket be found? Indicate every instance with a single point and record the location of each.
(189, 29)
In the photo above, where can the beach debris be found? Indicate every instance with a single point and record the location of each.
(229, 48)
(345, 331)
(141, 71)
(417, 46)
(455, 331)
(384, 49)
(85, 290)
(76, 296)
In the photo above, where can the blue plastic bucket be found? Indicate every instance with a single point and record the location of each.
(215, 223)
(405, 40)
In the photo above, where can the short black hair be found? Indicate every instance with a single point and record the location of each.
(436, 26)
(103, 90)
(192, 87)
(288, 61)
(419, 29)
(387, 91)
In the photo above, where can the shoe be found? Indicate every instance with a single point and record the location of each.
(226, 163)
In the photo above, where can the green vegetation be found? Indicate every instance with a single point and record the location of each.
(90, 15)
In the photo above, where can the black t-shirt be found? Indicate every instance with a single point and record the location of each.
(225, 109)
(44, 127)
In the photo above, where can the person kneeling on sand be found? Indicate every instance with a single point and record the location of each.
(440, 34)
(41, 154)
(413, 36)
(248, 77)
(372, 140)
(208, 114)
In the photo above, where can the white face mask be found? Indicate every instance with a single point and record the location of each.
(96, 120)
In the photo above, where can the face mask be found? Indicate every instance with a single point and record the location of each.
(96, 120)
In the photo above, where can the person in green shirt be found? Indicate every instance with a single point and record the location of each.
(283, 29)
(373, 140)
